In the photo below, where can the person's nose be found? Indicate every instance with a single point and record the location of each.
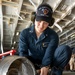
(41, 24)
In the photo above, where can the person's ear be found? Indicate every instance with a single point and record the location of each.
(52, 22)
(33, 14)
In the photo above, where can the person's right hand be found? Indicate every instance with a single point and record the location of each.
(38, 72)
(44, 71)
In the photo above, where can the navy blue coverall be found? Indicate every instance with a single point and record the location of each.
(44, 50)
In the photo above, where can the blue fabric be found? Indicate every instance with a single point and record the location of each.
(61, 58)
(42, 48)
(62, 55)
(45, 49)
(55, 71)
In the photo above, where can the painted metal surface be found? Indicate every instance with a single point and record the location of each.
(16, 65)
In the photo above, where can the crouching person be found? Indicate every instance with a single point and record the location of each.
(39, 43)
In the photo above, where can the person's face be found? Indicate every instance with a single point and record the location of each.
(40, 26)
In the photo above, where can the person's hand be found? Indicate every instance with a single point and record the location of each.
(38, 71)
(44, 70)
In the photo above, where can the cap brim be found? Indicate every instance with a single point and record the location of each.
(42, 18)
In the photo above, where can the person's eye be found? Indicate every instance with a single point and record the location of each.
(45, 23)
(39, 21)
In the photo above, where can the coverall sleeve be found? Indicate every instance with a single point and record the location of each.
(23, 46)
(48, 57)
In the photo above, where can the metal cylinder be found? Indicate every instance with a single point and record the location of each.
(16, 65)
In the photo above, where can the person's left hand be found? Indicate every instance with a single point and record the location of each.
(44, 70)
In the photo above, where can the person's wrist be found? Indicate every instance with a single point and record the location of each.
(47, 66)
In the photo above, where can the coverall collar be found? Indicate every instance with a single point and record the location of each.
(43, 35)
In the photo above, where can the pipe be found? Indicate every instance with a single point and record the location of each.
(33, 3)
(18, 12)
(58, 26)
(1, 24)
(68, 42)
(11, 52)
(68, 36)
(40, 1)
(67, 31)
(18, 15)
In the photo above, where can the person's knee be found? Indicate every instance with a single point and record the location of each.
(66, 49)
(63, 49)
(62, 55)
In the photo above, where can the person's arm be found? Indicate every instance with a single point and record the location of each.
(23, 46)
(48, 57)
